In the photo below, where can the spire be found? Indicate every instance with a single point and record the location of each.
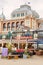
(2, 11)
(2, 16)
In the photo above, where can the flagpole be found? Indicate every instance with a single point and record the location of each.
(27, 3)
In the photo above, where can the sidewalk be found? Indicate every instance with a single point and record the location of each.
(34, 60)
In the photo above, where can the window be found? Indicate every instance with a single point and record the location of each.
(18, 15)
(33, 25)
(27, 23)
(38, 24)
(22, 22)
(8, 26)
(14, 15)
(22, 14)
(13, 24)
(26, 13)
(4, 26)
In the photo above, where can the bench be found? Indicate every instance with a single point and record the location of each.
(13, 56)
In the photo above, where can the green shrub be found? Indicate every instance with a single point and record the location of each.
(9, 47)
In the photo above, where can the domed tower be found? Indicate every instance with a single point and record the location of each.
(2, 16)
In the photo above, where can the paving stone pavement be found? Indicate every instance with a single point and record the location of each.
(34, 60)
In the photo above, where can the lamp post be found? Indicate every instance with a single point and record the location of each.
(11, 37)
(10, 34)
(18, 39)
(3, 37)
(26, 40)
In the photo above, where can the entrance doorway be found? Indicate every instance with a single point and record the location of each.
(22, 45)
(16, 45)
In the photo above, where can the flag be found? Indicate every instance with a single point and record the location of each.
(28, 2)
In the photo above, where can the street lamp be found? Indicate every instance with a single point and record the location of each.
(3, 37)
(10, 34)
(11, 37)
(18, 39)
(26, 40)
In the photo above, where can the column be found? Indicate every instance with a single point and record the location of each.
(18, 44)
(15, 26)
(6, 27)
(26, 44)
(10, 26)
(31, 21)
(18, 39)
(2, 43)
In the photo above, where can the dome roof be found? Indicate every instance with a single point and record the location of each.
(29, 12)
(2, 16)
(35, 14)
(26, 9)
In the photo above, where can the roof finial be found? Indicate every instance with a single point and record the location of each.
(2, 11)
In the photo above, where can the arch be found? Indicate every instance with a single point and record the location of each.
(4, 26)
(38, 25)
(17, 24)
(22, 45)
(41, 26)
(22, 22)
(8, 26)
(15, 45)
(13, 24)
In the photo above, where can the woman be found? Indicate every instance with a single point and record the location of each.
(4, 51)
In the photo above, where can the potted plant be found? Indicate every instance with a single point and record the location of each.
(25, 55)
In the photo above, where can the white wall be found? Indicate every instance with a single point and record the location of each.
(27, 23)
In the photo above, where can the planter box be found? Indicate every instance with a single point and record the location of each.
(25, 56)
(40, 52)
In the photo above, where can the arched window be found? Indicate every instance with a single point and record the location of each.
(22, 14)
(8, 26)
(17, 24)
(22, 22)
(4, 26)
(12, 26)
(38, 25)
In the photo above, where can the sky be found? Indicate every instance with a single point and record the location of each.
(10, 5)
